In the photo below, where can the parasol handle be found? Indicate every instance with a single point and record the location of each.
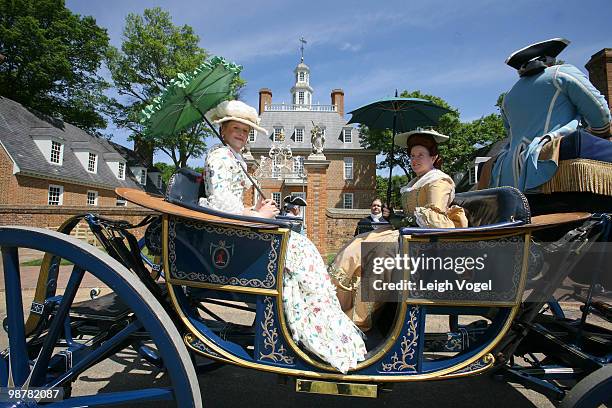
(225, 144)
(391, 160)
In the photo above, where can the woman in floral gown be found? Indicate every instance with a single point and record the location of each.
(312, 310)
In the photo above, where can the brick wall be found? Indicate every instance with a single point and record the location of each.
(363, 184)
(25, 190)
(51, 217)
(600, 72)
(341, 225)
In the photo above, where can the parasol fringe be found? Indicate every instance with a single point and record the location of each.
(581, 175)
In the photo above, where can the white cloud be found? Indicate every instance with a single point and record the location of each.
(347, 46)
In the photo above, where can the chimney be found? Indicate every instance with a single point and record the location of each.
(265, 98)
(600, 72)
(144, 150)
(337, 98)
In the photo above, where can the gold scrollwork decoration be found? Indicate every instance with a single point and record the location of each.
(270, 335)
(268, 282)
(399, 364)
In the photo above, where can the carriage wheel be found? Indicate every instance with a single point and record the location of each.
(31, 360)
(592, 391)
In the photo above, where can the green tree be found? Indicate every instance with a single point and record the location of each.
(52, 57)
(397, 182)
(166, 170)
(154, 51)
(464, 138)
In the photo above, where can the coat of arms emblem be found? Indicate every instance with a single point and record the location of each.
(221, 254)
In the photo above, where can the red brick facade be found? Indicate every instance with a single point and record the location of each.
(24, 190)
(600, 72)
(23, 201)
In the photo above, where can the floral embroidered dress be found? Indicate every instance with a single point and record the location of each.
(312, 310)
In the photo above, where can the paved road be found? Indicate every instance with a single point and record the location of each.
(235, 387)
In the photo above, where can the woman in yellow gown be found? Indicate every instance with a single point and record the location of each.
(426, 201)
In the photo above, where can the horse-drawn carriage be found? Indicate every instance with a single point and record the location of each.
(177, 307)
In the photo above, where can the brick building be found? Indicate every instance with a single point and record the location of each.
(50, 170)
(600, 72)
(343, 177)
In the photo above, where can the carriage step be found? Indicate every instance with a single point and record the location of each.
(107, 308)
(336, 388)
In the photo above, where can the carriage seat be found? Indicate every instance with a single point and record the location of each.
(486, 210)
(185, 188)
(493, 206)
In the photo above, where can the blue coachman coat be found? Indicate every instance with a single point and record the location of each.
(541, 107)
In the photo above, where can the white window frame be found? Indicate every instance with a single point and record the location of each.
(121, 171)
(120, 202)
(473, 174)
(349, 163)
(143, 177)
(89, 162)
(298, 165)
(276, 196)
(252, 135)
(301, 97)
(301, 138)
(348, 139)
(301, 76)
(344, 201)
(95, 200)
(60, 199)
(60, 153)
(279, 130)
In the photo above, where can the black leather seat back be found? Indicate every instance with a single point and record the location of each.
(493, 205)
(185, 186)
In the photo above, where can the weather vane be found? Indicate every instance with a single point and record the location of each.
(303, 41)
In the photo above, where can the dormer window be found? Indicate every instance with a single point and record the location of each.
(348, 135)
(276, 137)
(299, 135)
(252, 136)
(56, 152)
(143, 177)
(121, 171)
(92, 162)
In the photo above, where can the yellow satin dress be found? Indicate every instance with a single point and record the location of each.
(431, 205)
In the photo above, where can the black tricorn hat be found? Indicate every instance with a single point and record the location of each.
(294, 200)
(548, 48)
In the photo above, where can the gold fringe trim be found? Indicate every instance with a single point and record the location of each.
(581, 175)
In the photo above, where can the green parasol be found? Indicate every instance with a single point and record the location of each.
(183, 103)
(400, 115)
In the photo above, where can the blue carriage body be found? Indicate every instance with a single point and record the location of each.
(204, 260)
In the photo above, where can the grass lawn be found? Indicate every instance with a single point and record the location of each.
(38, 262)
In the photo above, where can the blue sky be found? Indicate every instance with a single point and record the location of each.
(451, 49)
